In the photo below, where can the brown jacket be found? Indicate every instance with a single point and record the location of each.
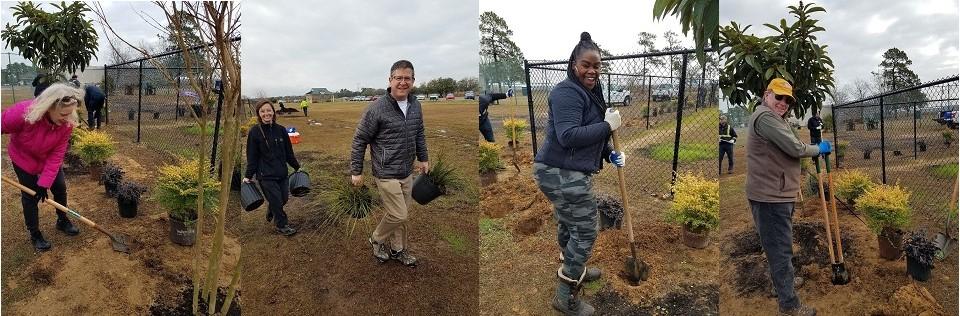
(773, 158)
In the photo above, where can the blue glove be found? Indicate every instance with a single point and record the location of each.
(825, 147)
(618, 158)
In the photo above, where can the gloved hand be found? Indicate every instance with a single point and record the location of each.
(825, 147)
(41, 194)
(618, 159)
(612, 117)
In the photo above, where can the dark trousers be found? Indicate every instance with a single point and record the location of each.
(31, 210)
(277, 192)
(725, 149)
(305, 111)
(774, 224)
(486, 129)
(94, 117)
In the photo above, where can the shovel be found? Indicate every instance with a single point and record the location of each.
(636, 270)
(117, 241)
(840, 274)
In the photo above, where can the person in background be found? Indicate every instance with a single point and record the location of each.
(815, 125)
(269, 151)
(93, 99)
(304, 106)
(39, 132)
(728, 137)
(486, 129)
(74, 81)
(773, 179)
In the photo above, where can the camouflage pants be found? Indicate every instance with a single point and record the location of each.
(575, 209)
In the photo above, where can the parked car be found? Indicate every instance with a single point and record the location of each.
(450, 96)
(469, 95)
(434, 97)
(664, 92)
(359, 98)
(421, 97)
(619, 96)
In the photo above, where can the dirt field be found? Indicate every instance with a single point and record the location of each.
(518, 249)
(326, 268)
(745, 285)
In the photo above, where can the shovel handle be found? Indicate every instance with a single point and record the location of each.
(826, 214)
(623, 191)
(54, 203)
(833, 210)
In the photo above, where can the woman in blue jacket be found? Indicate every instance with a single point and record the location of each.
(578, 131)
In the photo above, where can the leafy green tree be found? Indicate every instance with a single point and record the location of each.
(56, 42)
(468, 84)
(700, 16)
(894, 74)
(791, 53)
(17, 72)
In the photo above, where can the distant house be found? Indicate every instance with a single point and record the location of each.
(316, 95)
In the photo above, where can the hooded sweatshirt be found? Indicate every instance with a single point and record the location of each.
(37, 148)
(577, 136)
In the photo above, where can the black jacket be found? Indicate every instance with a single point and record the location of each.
(724, 136)
(394, 139)
(815, 125)
(268, 152)
(93, 98)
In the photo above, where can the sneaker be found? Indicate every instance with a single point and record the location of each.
(38, 242)
(404, 257)
(287, 230)
(67, 227)
(802, 310)
(379, 251)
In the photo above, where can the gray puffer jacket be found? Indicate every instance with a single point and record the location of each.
(394, 139)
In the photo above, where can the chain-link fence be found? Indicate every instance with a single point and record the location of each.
(906, 137)
(668, 102)
(151, 101)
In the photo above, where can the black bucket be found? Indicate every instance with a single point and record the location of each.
(183, 233)
(250, 196)
(917, 271)
(128, 208)
(425, 190)
(299, 184)
(235, 180)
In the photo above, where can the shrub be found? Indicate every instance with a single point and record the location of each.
(885, 206)
(851, 184)
(515, 128)
(93, 147)
(947, 137)
(177, 190)
(490, 157)
(250, 123)
(112, 174)
(443, 174)
(842, 148)
(696, 203)
(130, 191)
(348, 200)
(919, 248)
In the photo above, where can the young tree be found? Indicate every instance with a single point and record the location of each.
(700, 16)
(895, 74)
(502, 58)
(56, 42)
(793, 53)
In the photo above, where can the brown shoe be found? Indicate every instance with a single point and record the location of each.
(802, 310)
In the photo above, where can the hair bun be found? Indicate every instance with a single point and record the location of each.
(585, 37)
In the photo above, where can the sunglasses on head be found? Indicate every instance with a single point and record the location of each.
(67, 99)
(781, 97)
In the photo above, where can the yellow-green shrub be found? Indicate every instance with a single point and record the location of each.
(885, 206)
(515, 128)
(851, 184)
(490, 157)
(696, 203)
(177, 189)
(93, 147)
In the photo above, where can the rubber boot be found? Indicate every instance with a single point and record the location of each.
(67, 227)
(592, 274)
(567, 298)
(38, 242)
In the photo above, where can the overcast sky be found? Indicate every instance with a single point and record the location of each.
(123, 16)
(859, 31)
(290, 46)
(550, 29)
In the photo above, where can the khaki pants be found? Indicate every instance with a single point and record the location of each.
(395, 194)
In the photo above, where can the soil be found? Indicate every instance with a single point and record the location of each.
(179, 302)
(83, 274)
(877, 286)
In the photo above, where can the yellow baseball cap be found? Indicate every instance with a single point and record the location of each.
(780, 86)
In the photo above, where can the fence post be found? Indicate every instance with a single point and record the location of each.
(106, 97)
(681, 101)
(883, 145)
(533, 118)
(914, 130)
(139, 98)
(833, 119)
(649, 90)
(176, 113)
(609, 101)
(700, 96)
(216, 124)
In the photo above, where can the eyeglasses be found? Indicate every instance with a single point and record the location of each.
(399, 78)
(67, 99)
(781, 97)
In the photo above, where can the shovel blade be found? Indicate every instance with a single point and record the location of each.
(840, 274)
(636, 270)
(119, 243)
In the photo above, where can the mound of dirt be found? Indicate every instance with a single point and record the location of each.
(911, 299)
(511, 196)
(812, 241)
(753, 274)
(180, 302)
(611, 211)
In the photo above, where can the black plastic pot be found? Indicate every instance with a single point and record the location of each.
(299, 184)
(917, 271)
(424, 190)
(235, 180)
(183, 232)
(128, 208)
(250, 196)
(111, 188)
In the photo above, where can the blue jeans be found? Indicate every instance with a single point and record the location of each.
(774, 224)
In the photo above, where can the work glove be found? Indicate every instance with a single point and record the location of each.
(825, 147)
(41, 194)
(618, 159)
(612, 117)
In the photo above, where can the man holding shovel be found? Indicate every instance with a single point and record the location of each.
(773, 179)
(393, 127)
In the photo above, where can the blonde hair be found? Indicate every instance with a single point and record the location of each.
(51, 98)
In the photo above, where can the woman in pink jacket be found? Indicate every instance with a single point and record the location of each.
(39, 131)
